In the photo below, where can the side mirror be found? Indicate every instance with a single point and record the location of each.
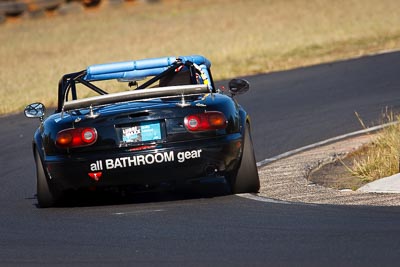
(35, 110)
(238, 86)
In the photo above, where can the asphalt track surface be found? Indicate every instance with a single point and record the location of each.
(289, 110)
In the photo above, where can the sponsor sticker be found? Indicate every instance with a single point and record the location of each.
(143, 132)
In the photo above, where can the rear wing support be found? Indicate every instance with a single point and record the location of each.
(149, 93)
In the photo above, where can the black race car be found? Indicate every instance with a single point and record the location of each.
(151, 124)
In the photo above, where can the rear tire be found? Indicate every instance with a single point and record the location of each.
(246, 180)
(45, 196)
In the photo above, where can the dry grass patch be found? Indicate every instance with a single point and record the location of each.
(378, 159)
(239, 37)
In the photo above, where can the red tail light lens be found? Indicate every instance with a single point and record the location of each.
(211, 120)
(76, 137)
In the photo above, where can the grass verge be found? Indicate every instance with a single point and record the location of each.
(239, 37)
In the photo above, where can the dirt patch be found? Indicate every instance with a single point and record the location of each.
(336, 175)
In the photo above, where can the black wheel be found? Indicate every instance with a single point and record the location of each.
(246, 180)
(91, 3)
(45, 196)
(13, 8)
(53, 5)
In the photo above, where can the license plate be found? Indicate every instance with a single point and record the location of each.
(142, 132)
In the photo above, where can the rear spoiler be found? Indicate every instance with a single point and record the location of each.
(136, 95)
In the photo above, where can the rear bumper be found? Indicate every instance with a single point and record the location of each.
(185, 163)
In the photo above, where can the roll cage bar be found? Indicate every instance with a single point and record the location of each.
(68, 82)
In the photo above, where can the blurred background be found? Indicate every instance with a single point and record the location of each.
(43, 39)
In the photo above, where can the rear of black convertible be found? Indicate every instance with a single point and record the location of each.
(151, 144)
(165, 138)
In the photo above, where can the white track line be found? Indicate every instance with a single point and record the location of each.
(263, 199)
(327, 141)
(137, 212)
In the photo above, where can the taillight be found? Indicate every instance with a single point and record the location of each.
(76, 137)
(211, 120)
